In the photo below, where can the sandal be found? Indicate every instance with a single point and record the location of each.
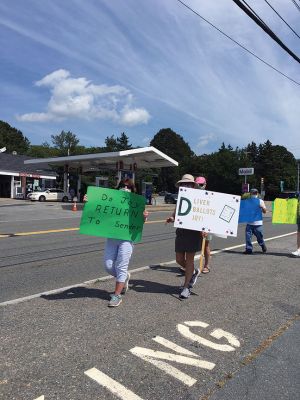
(206, 270)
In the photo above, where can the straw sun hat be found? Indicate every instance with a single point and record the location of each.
(187, 178)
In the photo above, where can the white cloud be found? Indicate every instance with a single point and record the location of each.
(35, 117)
(204, 140)
(79, 98)
(134, 116)
(53, 79)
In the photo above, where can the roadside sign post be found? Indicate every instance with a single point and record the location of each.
(245, 172)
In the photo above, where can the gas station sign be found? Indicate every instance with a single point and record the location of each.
(246, 171)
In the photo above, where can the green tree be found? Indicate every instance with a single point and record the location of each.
(123, 142)
(173, 145)
(221, 170)
(42, 151)
(93, 150)
(251, 152)
(275, 163)
(118, 143)
(111, 143)
(13, 139)
(65, 142)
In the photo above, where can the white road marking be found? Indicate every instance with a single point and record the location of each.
(40, 398)
(197, 257)
(219, 333)
(155, 358)
(186, 332)
(162, 355)
(173, 346)
(104, 278)
(54, 291)
(170, 370)
(196, 323)
(110, 384)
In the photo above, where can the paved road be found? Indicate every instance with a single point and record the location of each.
(236, 337)
(42, 250)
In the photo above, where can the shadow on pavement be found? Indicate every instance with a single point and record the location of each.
(78, 292)
(161, 267)
(257, 253)
(139, 285)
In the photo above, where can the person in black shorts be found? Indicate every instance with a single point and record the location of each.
(187, 243)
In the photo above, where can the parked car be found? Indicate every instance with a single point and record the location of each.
(49, 195)
(171, 198)
(163, 193)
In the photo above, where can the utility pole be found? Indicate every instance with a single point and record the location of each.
(262, 188)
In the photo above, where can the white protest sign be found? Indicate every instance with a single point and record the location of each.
(202, 210)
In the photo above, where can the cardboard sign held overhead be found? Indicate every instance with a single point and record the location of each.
(202, 210)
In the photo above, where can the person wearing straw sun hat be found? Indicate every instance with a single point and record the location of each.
(187, 243)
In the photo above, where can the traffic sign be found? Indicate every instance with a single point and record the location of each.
(246, 171)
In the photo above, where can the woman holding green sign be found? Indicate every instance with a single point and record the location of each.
(117, 256)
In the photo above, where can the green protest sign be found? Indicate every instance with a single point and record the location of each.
(113, 214)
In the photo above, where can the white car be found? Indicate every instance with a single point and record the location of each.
(49, 195)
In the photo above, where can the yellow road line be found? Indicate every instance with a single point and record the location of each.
(57, 230)
(43, 232)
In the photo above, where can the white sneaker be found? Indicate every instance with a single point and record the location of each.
(185, 294)
(296, 253)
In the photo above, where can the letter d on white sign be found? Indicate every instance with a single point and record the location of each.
(184, 206)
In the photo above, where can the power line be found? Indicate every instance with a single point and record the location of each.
(296, 5)
(251, 9)
(266, 29)
(282, 18)
(240, 45)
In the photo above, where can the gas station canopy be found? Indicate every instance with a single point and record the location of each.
(144, 157)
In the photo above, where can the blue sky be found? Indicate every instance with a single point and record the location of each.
(101, 67)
